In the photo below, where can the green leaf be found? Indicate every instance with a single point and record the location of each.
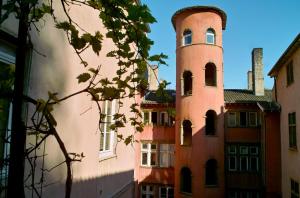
(83, 77)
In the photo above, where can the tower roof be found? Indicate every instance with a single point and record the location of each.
(201, 9)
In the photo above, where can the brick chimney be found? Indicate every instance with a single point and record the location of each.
(249, 78)
(257, 72)
(153, 77)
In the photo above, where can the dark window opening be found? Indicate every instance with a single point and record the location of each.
(210, 75)
(186, 180)
(187, 133)
(289, 73)
(243, 119)
(210, 122)
(187, 83)
(154, 117)
(211, 172)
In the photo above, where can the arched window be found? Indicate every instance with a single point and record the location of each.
(187, 84)
(211, 178)
(210, 74)
(186, 180)
(210, 36)
(210, 122)
(187, 37)
(186, 133)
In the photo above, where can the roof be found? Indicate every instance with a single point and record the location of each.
(285, 56)
(152, 97)
(202, 9)
(269, 106)
(245, 96)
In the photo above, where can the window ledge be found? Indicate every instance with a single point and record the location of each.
(212, 186)
(186, 194)
(183, 145)
(294, 149)
(208, 135)
(106, 157)
(187, 95)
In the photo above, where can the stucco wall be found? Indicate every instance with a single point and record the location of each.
(289, 97)
(77, 117)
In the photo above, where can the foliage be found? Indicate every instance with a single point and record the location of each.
(127, 24)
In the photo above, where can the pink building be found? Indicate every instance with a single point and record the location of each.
(286, 73)
(103, 171)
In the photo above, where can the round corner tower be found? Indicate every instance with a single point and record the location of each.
(199, 165)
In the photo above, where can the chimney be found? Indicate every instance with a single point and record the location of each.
(250, 82)
(257, 72)
(153, 77)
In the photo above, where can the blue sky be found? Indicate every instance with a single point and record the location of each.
(271, 25)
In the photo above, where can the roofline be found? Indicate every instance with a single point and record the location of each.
(201, 9)
(287, 53)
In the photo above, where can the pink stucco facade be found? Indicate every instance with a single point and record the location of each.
(99, 174)
(288, 97)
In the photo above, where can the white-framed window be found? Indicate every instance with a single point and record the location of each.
(252, 119)
(106, 134)
(166, 192)
(147, 191)
(187, 37)
(166, 155)
(149, 154)
(210, 36)
(231, 119)
(243, 157)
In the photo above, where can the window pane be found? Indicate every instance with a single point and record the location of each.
(144, 159)
(109, 107)
(170, 192)
(154, 117)
(153, 159)
(153, 146)
(232, 149)
(243, 150)
(232, 163)
(231, 119)
(146, 117)
(144, 146)
(243, 118)
(253, 163)
(253, 150)
(252, 119)
(163, 192)
(164, 159)
(243, 163)
(107, 141)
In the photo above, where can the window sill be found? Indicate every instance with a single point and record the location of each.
(209, 135)
(106, 156)
(294, 149)
(183, 145)
(186, 194)
(212, 186)
(186, 95)
(156, 167)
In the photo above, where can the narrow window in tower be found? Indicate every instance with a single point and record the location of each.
(210, 36)
(210, 74)
(186, 133)
(187, 37)
(210, 122)
(211, 172)
(186, 180)
(187, 83)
